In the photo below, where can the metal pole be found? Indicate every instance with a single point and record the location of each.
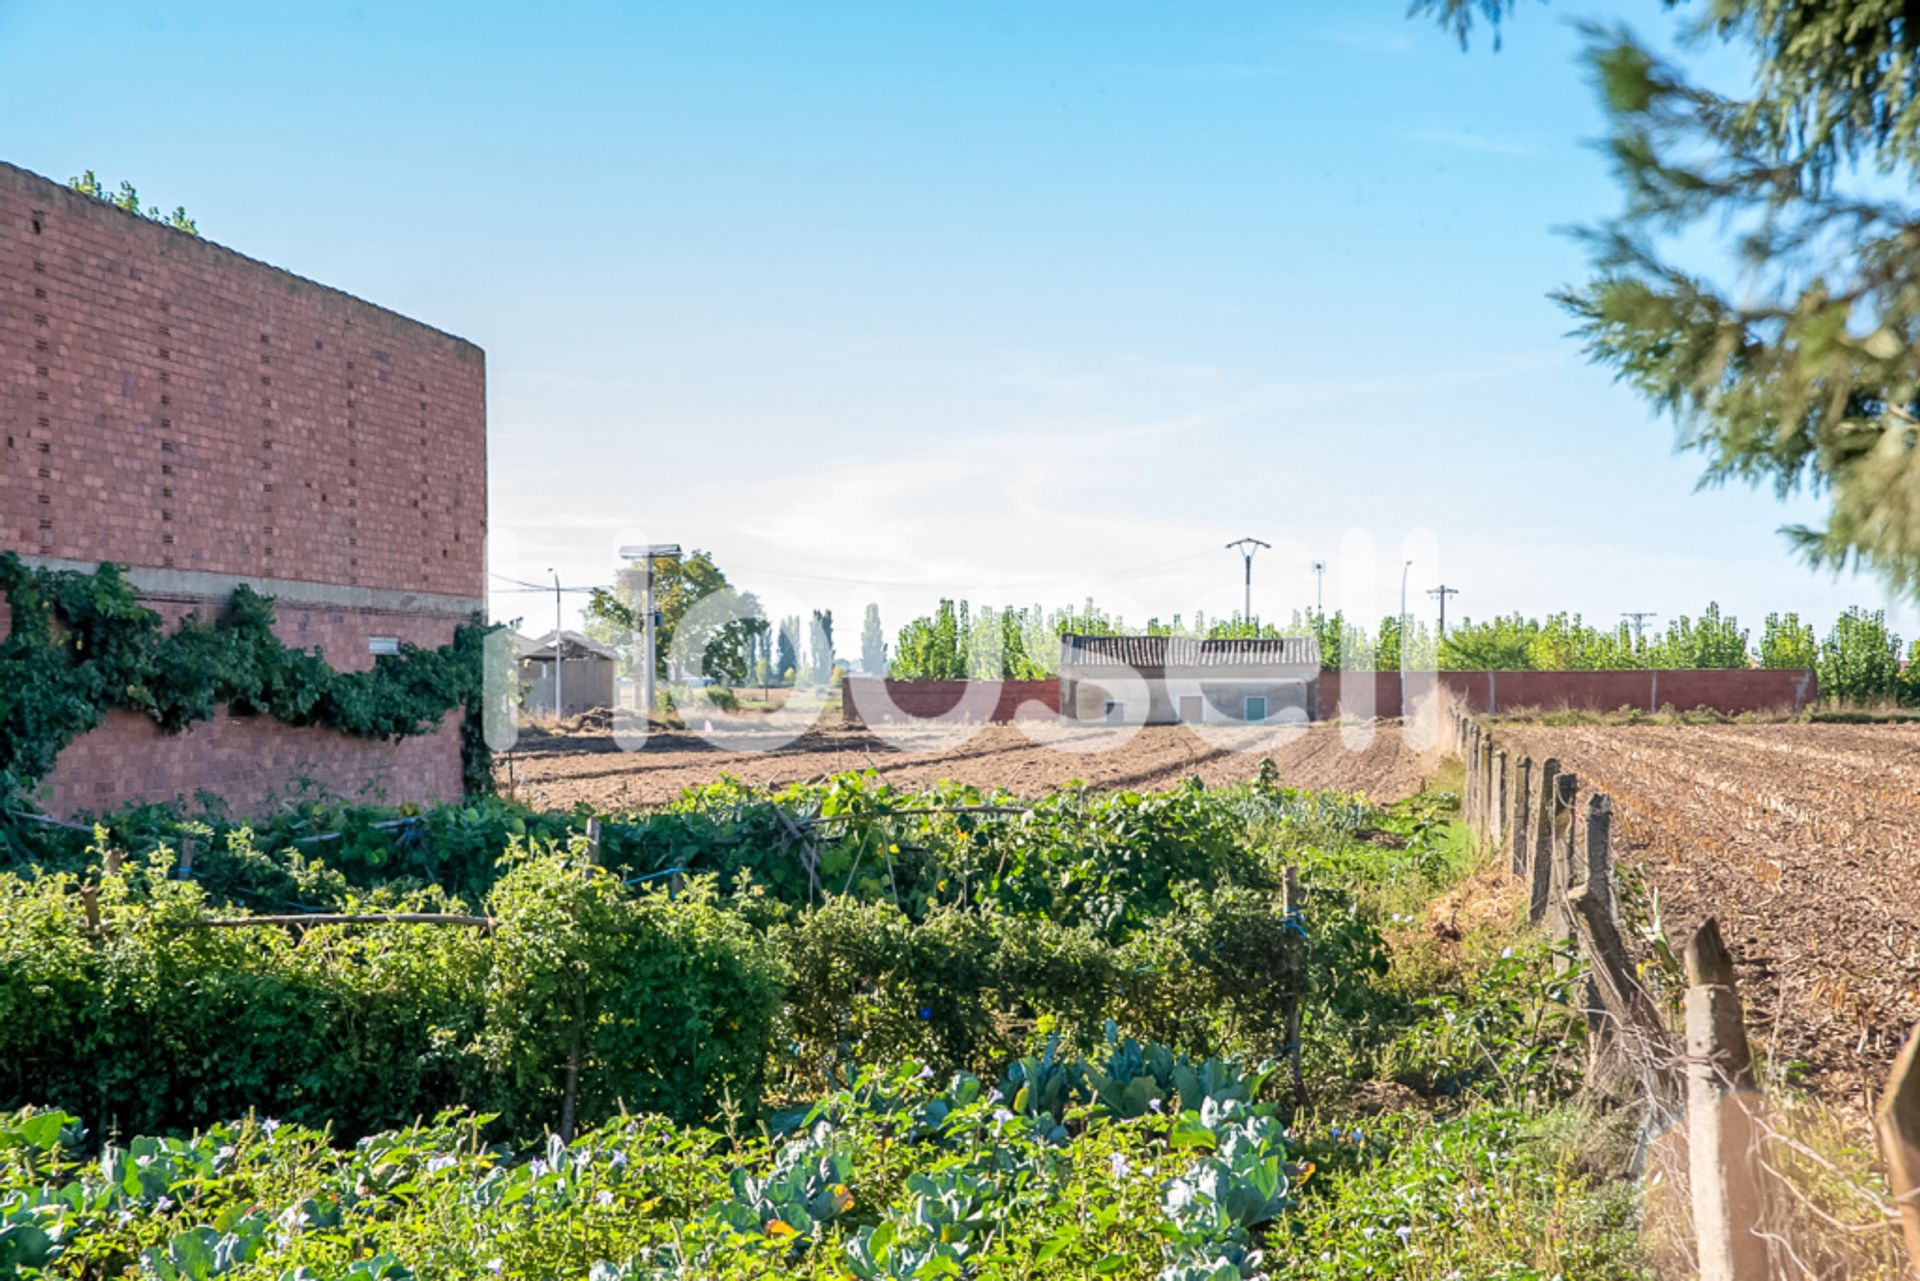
(559, 708)
(1247, 547)
(1319, 588)
(646, 681)
(1442, 592)
(1403, 636)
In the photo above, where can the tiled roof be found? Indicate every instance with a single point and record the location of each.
(1188, 651)
(540, 649)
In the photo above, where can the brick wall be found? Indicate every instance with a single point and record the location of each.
(174, 406)
(860, 698)
(1730, 691)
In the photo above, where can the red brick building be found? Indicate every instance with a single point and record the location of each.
(209, 420)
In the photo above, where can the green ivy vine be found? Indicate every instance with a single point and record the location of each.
(82, 644)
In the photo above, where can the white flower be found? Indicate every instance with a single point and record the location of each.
(496, 1264)
(1404, 1232)
(604, 1197)
(1121, 1166)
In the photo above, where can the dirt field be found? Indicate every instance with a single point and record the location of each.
(560, 770)
(1805, 841)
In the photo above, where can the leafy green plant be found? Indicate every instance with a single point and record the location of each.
(82, 644)
(1860, 659)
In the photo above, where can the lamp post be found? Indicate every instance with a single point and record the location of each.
(1319, 588)
(1405, 569)
(559, 707)
(646, 554)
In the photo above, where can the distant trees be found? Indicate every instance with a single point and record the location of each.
(725, 629)
(786, 663)
(1858, 661)
(873, 644)
(1788, 642)
(820, 647)
(128, 198)
(1567, 643)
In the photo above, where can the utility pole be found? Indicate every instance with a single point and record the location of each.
(1319, 589)
(646, 554)
(1443, 591)
(559, 707)
(1638, 618)
(1404, 571)
(1247, 547)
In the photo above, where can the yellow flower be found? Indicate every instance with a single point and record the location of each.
(781, 1229)
(842, 1197)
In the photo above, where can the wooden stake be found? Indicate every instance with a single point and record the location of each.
(1722, 1166)
(1522, 798)
(1299, 942)
(1897, 1123)
(1540, 850)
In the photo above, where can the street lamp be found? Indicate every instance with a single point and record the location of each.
(645, 554)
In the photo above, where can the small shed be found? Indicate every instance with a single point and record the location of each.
(1168, 680)
(587, 670)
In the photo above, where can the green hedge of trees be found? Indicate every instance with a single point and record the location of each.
(1858, 659)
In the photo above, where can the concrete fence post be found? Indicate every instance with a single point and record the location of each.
(1295, 998)
(1466, 776)
(1540, 851)
(1633, 1034)
(1497, 800)
(1522, 798)
(1478, 785)
(1561, 873)
(1897, 1123)
(1723, 1165)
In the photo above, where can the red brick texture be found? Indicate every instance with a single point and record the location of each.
(1757, 690)
(861, 699)
(170, 404)
(1729, 691)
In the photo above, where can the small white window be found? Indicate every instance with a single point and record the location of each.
(1115, 712)
(383, 644)
(1256, 708)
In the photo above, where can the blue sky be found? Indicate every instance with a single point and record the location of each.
(1022, 302)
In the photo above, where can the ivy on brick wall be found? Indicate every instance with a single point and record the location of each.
(82, 645)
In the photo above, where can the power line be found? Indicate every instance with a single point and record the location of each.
(1443, 591)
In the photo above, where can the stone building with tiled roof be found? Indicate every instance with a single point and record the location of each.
(1165, 680)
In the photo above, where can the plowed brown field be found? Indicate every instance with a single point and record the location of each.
(1804, 840)
(560, 770)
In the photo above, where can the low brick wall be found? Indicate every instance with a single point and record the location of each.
(1730, 691)
(253, 761)
(866, 699)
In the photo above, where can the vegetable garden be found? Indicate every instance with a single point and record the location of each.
(841, 1030)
